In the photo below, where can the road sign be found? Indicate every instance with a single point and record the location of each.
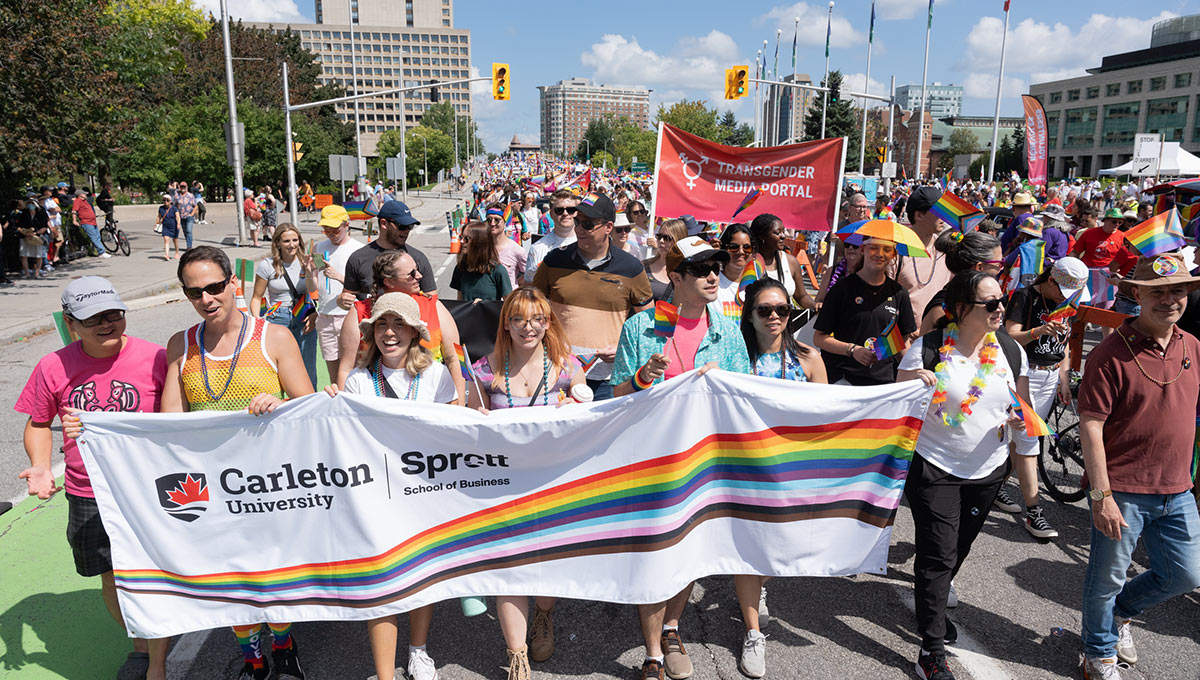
(888, 170)
(341, 168)
(1146, 151)
(393, 168)
(637, 167)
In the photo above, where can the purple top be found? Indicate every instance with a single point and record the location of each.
(496, 397)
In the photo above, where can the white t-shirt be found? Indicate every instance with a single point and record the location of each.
(435, 386)
(326, 287)
(980, 445)
(537, 251)
(726, 289)
(277, 287)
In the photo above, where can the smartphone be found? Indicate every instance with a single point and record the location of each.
(319, 261)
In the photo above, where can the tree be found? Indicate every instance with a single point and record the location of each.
(441, 117)
(440, 147)
(600, 135)
(961, 142)
(742, 135)
(147, 37)
(840, 121)
(604, 159)
(630, 141)
(694, 117)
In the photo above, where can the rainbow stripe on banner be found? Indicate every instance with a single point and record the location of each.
(666, 316)
(854, 470)
(1159, 234)
(889, 343)
(957, 213)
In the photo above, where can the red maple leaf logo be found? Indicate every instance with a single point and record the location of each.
(189, 491)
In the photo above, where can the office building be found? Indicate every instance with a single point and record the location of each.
(395, 44)
(945, 101)
(567, 107)
(779, 99)
(1091, 120)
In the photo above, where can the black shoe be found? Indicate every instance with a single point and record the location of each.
(951, 635)
(287, 663)
(933, 666)
(250, 673)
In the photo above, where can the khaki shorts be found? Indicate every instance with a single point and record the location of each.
(329, 327)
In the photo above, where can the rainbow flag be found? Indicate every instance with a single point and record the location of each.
(301, 307)
(666, 316)
(890, 342)
(1164, 202)
(1067, 308)
(588, 361)
(357, 210)
(750, 274)
(1032, 258)
(945, 181)
(747, 201)
(1159, 234)
(1187, 213)
(464, 363)
(956, 212)
(1034, 425)
(272, 309)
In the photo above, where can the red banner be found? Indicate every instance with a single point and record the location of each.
(1036, 149)
(800, 183)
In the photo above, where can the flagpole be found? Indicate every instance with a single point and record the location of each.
(862, 148)
(924, 94)
(757, 111)
(999, 84)
(778, 91)
(825, 83)
(792, 119)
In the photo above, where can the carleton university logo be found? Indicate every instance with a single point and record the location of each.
(183, 495)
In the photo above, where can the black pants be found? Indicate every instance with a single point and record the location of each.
(948, 513)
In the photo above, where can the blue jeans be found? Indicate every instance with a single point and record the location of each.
(93, 233)
(1170, 528)
(601, 390)
(307, 341)
(185, 223)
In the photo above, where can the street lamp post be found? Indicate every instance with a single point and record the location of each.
(235, 140)
(425, 157)
(589, 149)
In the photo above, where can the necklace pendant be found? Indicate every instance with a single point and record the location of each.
(1000, 433)
(1187, 363)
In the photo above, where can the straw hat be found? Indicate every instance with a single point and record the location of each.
(400, 304)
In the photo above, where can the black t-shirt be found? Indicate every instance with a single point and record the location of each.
(935, 302)
(1029, 308)
(855, 311)
(360, 278)
(1190, 321)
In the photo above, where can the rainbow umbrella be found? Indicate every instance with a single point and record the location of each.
(906, 240)
(849, 233)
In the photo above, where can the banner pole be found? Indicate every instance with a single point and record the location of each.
(654, 187)
(996, 117)
(924, 94)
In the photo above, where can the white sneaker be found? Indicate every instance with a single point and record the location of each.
(1125, 650)
(420, 666)
(764, 614)
(1100, 669)
(753, 663)
(952, 598)
(105, 255)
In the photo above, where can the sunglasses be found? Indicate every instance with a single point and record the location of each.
(702, 271)
(564, 211)
(998, 263)
(622, 230)
(587, 226)
(411, 275)
(111, 316)
(666, 237)
(214, 289)
(639, 212)
(765, 311)
(989, 305)
(739, 248)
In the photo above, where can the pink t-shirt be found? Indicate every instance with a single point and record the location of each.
(512, 258)
(130, 381)
(682, 346)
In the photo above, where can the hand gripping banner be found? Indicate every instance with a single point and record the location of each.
(357, 507)
(799, 183)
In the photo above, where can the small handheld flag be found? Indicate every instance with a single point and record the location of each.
(666, 316)
(747, 201)
(1067, 308)
(272, 309)
(588, 361)
(1159, 234)
(1034, 425)
(890, 342)
(956, 212)
(750, 274)
(301, 307)
(464, 363)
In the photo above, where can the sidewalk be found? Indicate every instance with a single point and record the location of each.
(29, 303)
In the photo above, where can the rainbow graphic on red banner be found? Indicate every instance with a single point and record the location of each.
(852, 469)
(747, 201)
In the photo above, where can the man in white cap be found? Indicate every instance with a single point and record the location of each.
(104, 370)
(334, 251)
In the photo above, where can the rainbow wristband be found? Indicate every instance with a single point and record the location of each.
(638, 384)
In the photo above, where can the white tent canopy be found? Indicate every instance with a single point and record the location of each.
(1174, 162)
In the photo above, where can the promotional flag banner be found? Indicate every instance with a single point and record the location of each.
(1034, 425)
(357, 210)
(359, 507)
(1036, 149)
(799, 182)
(870, 33)
(1067, 308)
(1159, 234)
(957, 213)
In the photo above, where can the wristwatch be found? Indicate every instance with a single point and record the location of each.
(1097, 495)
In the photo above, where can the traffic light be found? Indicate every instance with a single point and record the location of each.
(296, 151)
(500, 82)
(881, 153)
(735, 82)
(433, 93)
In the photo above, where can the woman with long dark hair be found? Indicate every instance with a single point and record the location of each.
(779, 264)
(961, 456)
(478, 274)
(973, 250)
(774, 352)
(739, 243)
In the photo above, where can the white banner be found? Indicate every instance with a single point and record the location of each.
(355, 507)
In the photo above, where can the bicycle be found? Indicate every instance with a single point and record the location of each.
(113, 239)
(1060, 460)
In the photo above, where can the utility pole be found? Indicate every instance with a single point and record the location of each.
(358, 159)
(235, 139)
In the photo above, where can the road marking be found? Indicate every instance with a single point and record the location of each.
(183, 654)
(968, 651)
(442, 269)
(55, 470)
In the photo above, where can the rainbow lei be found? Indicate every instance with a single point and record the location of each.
(987, 363)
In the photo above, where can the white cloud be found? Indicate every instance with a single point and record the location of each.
(853, 82)
(811, 29)
(694, 63)
(256, 10)
(983, 86)
(904, 9)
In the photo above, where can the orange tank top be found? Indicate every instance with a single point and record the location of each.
(253, 374)
(427, 304)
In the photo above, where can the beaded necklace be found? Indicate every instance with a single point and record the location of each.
(1183, 365)
(237, 351)
(377, 381)
(783, 354)
(545, 377)
(987, 363)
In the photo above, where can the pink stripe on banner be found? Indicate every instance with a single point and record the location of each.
(1103, 292)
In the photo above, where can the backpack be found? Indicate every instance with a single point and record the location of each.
(931, 342)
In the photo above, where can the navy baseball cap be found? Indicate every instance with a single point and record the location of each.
(396, 211)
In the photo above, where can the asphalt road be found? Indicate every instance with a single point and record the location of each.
(1019, 616)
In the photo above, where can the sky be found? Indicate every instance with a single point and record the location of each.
(681, 48)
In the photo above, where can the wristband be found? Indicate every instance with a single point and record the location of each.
(850, 352)
(638, 383)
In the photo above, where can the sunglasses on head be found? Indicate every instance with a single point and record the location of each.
(566, 211)
(194, 292)
(765, 311)
(702, 270)
(989, 305)
(111, 316)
